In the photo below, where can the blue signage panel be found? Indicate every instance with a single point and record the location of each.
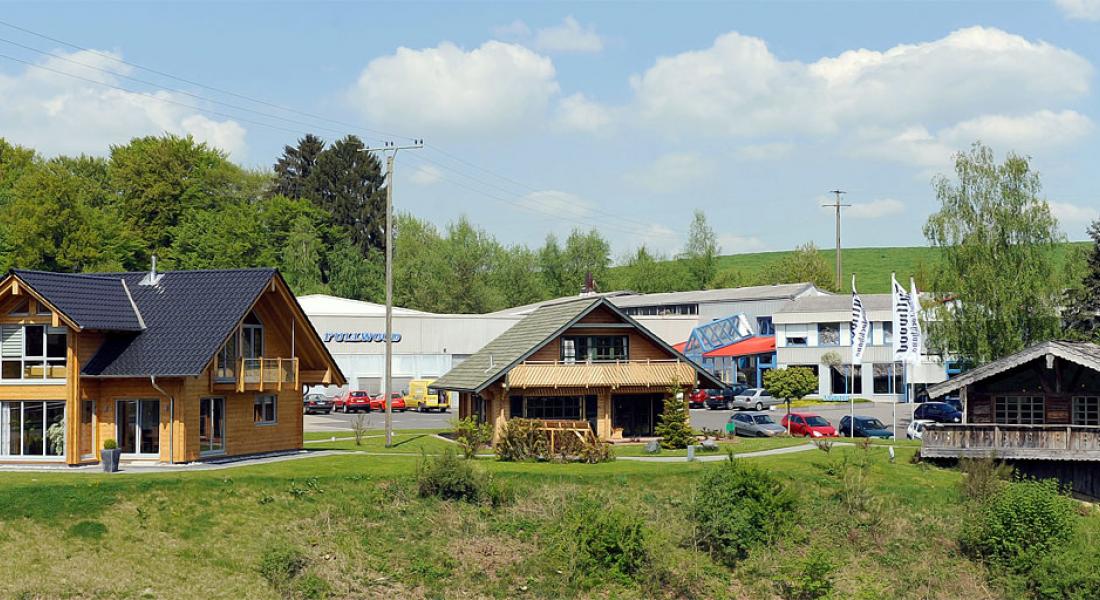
(358, 336)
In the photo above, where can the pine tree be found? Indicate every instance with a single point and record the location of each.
(1083, 314)
(295, 166)
(672, 424)
(347, 182)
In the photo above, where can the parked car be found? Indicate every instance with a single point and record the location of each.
(940, 412)
(915, 431)
(723, 397)
(754, 398)
(397, 402)
(316, 403)
(753, 424)
(868, 427)
(807, 425)
(353, 401)
(697, 399)
(422, 399)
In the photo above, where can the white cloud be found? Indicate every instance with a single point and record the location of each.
(1084, 10)
(1073, 217)
(495, 87)
(739, 87)
(57, 114)
(738, 244)
(425, 175)
(672, 172)
(766, 151)
(578, 113)
(570, 36)
(875, 209)
(515, 30)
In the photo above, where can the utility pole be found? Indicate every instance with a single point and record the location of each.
(837, 205)
(390, 150)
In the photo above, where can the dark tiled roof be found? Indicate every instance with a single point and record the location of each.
(1085, 354)
(91, 301)
(188, 315)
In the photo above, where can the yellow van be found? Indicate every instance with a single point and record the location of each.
(421, 400)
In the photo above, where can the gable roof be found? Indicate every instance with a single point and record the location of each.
(532, 333)
(98, 302)
(1082, 353)
(188, 316)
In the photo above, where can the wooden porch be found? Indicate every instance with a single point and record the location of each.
(1012, 442)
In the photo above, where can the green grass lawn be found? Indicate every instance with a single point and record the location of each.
(361, 531)
(737, 445)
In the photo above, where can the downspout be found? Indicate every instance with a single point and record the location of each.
(171, 419)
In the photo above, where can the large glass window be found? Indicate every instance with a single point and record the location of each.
(1019, 410)
(888, 378)
(559, 408)
(842, 379)
(1086, 410)
(828, 334)
(32, 428)
(594, 348)
(32, 352)
(137, 426)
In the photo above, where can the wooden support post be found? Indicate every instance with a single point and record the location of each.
(261, 374)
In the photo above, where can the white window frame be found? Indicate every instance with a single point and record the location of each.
(262, 401)
(39, 359)
(5, 425)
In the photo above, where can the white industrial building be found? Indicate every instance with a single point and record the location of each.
(812, 329)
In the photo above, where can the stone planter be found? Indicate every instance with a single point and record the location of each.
(109, 460)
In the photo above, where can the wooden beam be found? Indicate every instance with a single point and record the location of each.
(15, 289)
(55, 320)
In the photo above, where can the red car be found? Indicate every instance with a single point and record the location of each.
(353, 401)
(808, 425)
(697, 399)
(397, 402)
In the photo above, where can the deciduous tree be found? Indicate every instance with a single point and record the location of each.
(701, 251)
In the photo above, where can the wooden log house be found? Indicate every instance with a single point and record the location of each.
(176, 366)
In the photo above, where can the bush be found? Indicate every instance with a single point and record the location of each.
(599, 539)
(1072, 574)
(522, 439)
(672, 424)
(449, 477)
(809, 578)
(279, 565)
(982, 478)
(471, 435)
(1020, 525)
(736, 508)
(110, 444)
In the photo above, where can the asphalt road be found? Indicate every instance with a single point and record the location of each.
(700, 417)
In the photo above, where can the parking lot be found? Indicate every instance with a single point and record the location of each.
(700, 417)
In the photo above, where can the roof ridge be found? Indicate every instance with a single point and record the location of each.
(102, 276)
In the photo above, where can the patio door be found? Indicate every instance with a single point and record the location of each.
(211, 425)
(137, 425)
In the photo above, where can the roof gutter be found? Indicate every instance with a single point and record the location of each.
(171, 419)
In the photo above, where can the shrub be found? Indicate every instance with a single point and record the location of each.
(856, 494)
(279, 565)
(521, 439)
(809, 578)
(570, 447)
(110, 444)
(598, 539)
(449, 477)
(1020, 525)
(1072, 574)
(595, 451)
(471, 435)
(672, 424)
(982, 477)
(736, 508)
(359, 428)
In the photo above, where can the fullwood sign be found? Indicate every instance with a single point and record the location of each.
(358, 336)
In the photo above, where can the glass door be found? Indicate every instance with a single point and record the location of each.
(137, 425)
(211, 425)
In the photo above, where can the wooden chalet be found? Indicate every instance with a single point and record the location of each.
(581, 361)
(176, 366)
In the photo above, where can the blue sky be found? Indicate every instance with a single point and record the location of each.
(542, 117)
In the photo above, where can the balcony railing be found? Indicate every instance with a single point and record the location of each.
(259, 375)
(1048, 442)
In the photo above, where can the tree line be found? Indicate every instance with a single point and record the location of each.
(317, 215)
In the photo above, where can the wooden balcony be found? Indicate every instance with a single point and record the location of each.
(1022, 442)
(258, 375)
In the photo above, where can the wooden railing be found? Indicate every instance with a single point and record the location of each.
(265, 374)
(1050, 442)
(555, 429)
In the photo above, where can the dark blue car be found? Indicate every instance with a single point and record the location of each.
(868, 427)
(940, 412)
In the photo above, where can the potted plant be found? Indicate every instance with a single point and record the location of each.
(108, 457)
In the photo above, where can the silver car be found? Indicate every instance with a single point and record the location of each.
(753, 424)
(755, 399)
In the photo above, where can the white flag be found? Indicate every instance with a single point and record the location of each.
(915, 332)
(859, 326)
(902, 321)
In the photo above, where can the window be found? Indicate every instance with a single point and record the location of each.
(670, 309)
(1086, 410)
(843, 381)
(828, 334)
(560, 408)
(137, 426)
(887, 328)
(1019, 410)
(888, 378)
(252, 337)
(594, 348)
(32, 428)
(33, 352)
(796, 340)
(264, 410)
(765, 326)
